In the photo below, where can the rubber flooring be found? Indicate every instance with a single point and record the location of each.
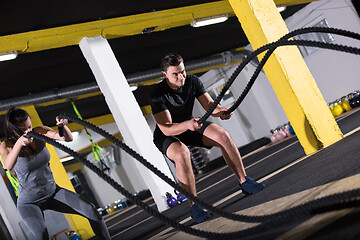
(286, 171)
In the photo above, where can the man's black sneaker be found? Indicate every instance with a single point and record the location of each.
(250, 186)
(198, 214)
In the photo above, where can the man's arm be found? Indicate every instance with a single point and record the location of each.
(206, 101)
(164, 121)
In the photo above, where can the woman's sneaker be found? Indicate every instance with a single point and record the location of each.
(250, 186)
(198, 214)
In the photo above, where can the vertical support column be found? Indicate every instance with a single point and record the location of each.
(9, 212)
(287, 72)
(127, 113)
(76, 222)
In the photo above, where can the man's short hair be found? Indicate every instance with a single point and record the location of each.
(171, 59)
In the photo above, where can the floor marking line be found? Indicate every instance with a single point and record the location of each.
(260, 180)
(136, 224)
(124, 211)
(351, 132)
(239, 191)
(124, 219)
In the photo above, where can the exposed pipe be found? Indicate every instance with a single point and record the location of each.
(68, 92)
(48, 96)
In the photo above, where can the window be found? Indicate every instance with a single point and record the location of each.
(215, 91)
(315, 36)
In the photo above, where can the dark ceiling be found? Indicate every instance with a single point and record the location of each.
(53, 69)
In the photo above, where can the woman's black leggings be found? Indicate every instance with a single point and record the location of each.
(63, 201)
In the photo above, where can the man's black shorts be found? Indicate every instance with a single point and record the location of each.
(193, 138)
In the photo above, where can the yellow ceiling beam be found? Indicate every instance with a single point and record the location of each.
(292, 2)
(74, 167)
(111, 28)
(117, 27)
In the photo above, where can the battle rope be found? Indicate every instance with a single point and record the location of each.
(347, 199)
(270, 48)
(160, 174)
(332, 202)
(165, 178)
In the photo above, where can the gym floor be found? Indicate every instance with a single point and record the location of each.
(291, 177)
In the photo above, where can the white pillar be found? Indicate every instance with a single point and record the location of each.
(127, 113)
(9, 213)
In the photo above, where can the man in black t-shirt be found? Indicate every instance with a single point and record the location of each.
(172, 103)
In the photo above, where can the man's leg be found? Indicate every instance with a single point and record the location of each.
(214, 135)
(180, 154)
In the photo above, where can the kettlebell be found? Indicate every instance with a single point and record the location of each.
(171, 201)
(291, 129)
(273, 136)
(354, 100)
(337, 110)
(180, 197)
(345, 103)
(74, 236)
(286, 127)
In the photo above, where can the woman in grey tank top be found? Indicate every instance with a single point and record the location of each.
(37, 188)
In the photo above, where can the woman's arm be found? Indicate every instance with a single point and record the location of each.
(51, 133)
(9, 154)
(164, 121)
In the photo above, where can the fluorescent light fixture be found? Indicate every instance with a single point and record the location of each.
(209, 20)
(133, 87)
(75, 134)
(281, 8)
(8, 56)
(65, 159)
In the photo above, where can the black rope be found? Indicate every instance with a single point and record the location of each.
(165, 178)
(160, 174)
(270, 48)
(334, 202)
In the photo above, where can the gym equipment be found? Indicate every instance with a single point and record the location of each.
(120, 204)
(180, 197)
(354, 100)
(345, 103)
(291, 130)
(110, 208)
(336, 109)
(171, 201)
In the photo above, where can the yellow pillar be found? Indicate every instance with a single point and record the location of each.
(289, 76)
(77, 223)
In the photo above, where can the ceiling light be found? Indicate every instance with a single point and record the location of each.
(65, 159)
(281, 8)
(209, 20)
(8, 56)
(75, 134)
(133, 87)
